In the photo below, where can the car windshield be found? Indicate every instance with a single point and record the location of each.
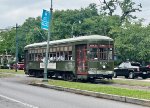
(127, 64)
(20, 63)
(135, 64)
(121, 65)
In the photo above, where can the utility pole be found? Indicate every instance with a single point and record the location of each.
(16, 47)
(48, 39)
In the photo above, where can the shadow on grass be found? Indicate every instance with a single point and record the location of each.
(103, 81)
(97, 81)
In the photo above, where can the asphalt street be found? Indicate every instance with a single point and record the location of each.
(14, 93)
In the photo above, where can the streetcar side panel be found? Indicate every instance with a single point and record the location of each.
(82, 58)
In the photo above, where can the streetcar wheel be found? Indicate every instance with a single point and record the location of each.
(92, 80)
(144, 77)
(126, 76)
(64, 77)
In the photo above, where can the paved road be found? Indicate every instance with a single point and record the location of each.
(14, 94)
(136, 79)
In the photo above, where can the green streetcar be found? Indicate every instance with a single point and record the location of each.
(79, 58)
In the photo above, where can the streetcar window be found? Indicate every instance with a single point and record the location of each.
(66, 55)
(35, 56)
(52, 56)
(39, 57)
(59, 53)
(93, 53)
(105, 53)
(62, 58)
(44, 55)
(101, 52)
(70, 55)
(62, 54)
(58, 56)
(30, 57)
(110, 53)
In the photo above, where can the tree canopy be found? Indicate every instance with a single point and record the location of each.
(132, 39)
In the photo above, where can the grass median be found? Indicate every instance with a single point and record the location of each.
(140, 94)
(12, 71)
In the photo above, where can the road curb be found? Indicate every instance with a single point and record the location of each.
(143, 102)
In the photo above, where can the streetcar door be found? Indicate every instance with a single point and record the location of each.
(25, 59)
(81, 59)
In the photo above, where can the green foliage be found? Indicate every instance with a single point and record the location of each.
(132, 40)
(127, 8)
(134, 43)
(8, 41)
(110, 5)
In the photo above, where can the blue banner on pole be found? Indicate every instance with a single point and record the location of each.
(45, 19)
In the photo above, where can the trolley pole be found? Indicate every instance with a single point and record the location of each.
(47, 49)
(16, 47)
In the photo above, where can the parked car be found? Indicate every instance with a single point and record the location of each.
(148, 66)
(131, 70)
(20, 66)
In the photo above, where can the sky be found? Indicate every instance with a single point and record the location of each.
(17, 11)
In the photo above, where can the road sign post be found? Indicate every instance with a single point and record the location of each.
(46, 25)
(16, 67)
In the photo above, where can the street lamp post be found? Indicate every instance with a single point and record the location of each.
(72, 28)
(6, 53)
(16, 47)
(47, 49)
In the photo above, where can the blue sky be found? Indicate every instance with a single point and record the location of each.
(17, 11)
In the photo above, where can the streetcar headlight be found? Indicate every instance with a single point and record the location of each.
(104, 66)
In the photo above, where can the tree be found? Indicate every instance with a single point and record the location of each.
(111, 6)
(131, 38)
(8, 41)
(128, 7)
(133, 43)
(32, 32)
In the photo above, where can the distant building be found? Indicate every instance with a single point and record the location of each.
(5, 59)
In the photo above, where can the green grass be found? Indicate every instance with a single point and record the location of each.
(11, 71)
(141, 94)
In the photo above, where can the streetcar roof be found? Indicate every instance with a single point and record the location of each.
(70, 40)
